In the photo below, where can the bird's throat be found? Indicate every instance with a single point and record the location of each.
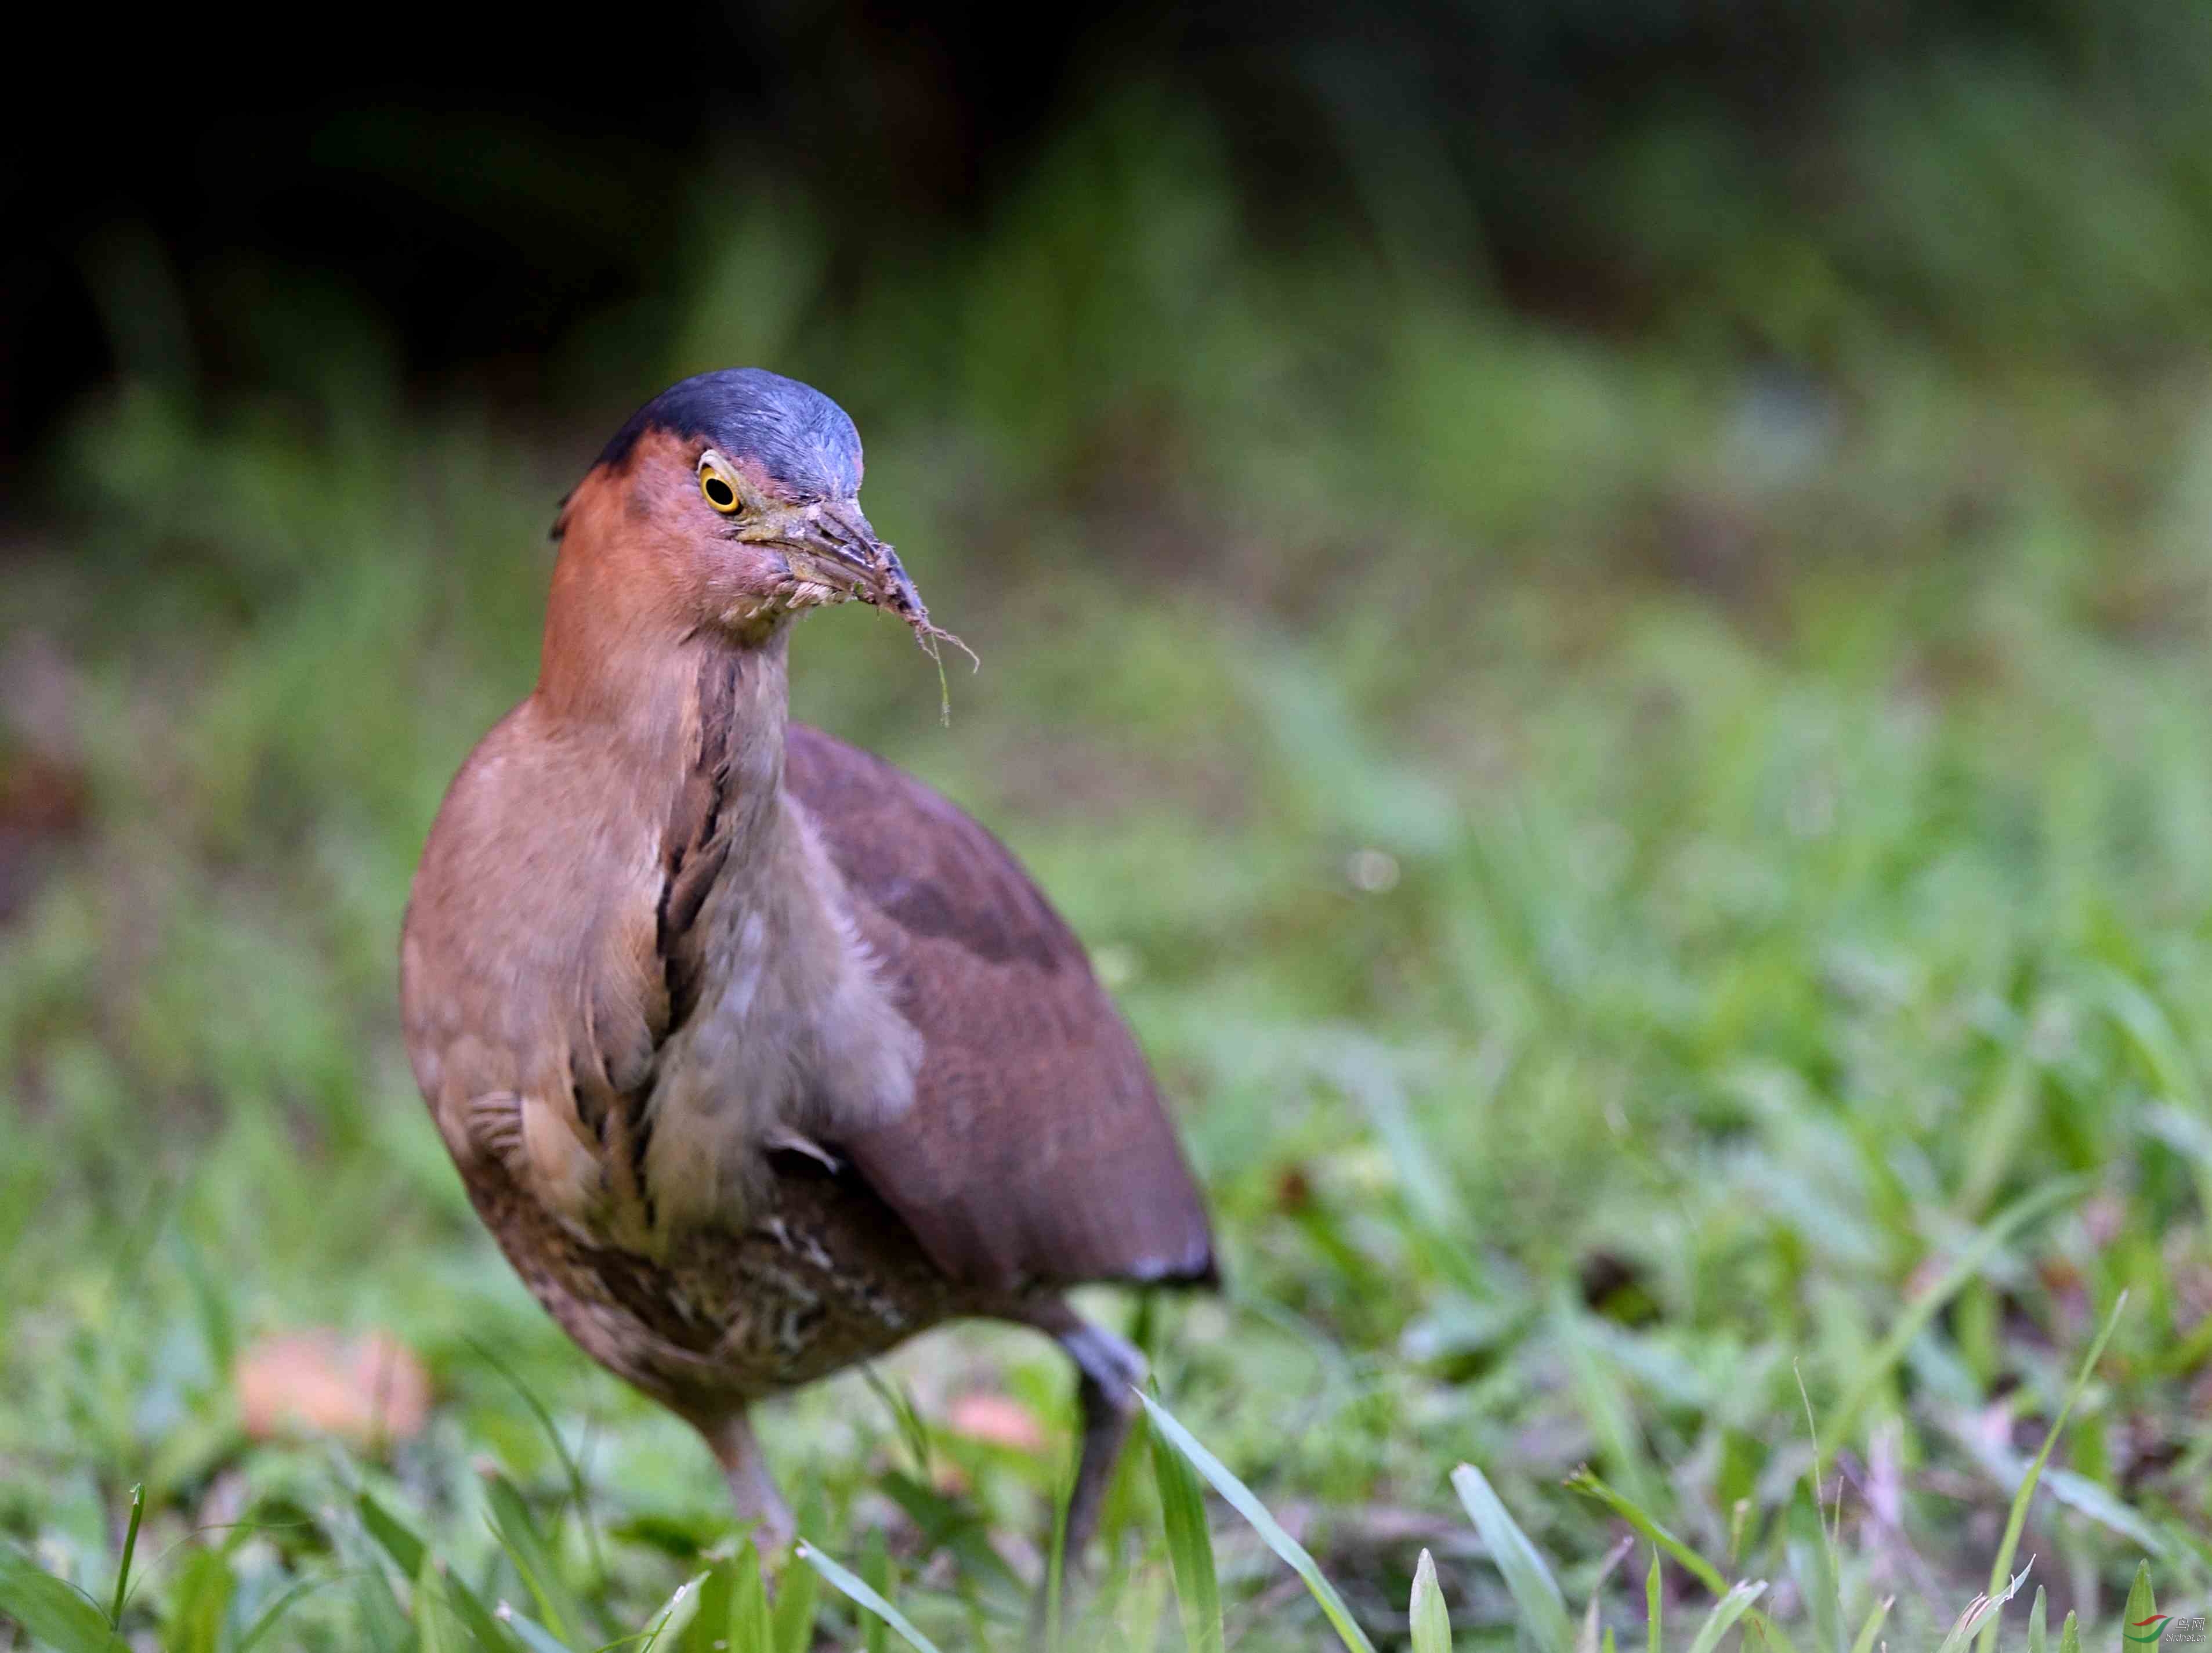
(775, 1024)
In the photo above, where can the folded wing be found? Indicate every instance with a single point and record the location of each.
(1037, 1151)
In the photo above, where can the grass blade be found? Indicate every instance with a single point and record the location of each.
(1813, 1564)
(2142, 1606)
(2017, 1519)
(876, 1564)
(1872, 1627)
(1654, 1608)
(1730, 1608)
(1983, 1610)
(1431, 1622)
(2069, 1636)
(199, 1596)
(1056, 1567)
(862, 1594)
(525, 1547)
(1704, 1571)
(569, 1466)
(1923, 1308)
(52, 1610)
(275, 1610)
(1606, 1407)
(392, 1534)
(955, 1524)
(1190, 1548)
(1241, 1498)
(533, 1635)
(1588, 1638)
(1593, 1636)
(487, 1632)
(129, 1548)
(450, 1599)
(709, 1630)
(380, 1617)
(798, 1591)
(1764, 1635)
(906, 1418)
(1536, 1592)
(2036, 1622)
(437, 1628)
(750, 1629)
(667, 1628)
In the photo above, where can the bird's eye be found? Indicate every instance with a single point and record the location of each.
(716, 488)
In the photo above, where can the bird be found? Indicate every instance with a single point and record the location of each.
(756, 1055)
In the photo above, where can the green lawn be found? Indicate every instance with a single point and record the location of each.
(1675, 902)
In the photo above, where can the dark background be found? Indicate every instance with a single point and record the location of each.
(481, 189)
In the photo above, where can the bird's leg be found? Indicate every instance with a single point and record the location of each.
(1108, 1372)
(752, 1489)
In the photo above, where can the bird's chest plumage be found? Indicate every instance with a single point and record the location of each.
(789, 1035)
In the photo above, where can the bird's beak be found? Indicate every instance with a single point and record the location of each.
(833, 545)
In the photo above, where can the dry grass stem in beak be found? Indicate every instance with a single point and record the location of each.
(906, 602)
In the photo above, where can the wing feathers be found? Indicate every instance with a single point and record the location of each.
(1037, 1152)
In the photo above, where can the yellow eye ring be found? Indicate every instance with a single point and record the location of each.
(718, 490)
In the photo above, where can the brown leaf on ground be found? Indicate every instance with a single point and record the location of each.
(997, 1420)
(368, 1388)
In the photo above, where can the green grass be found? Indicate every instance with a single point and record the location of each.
(1676, 908)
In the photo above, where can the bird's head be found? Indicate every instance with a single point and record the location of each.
(733, 499)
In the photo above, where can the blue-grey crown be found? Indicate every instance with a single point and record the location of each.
(802, 439)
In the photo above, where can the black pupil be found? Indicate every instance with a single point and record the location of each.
(718, 491)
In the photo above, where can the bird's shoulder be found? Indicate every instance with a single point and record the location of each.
(1037, 1150)
(923, 864)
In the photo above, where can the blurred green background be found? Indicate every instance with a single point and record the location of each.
(1599, 613)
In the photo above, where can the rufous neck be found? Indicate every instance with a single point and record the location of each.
(620, 666)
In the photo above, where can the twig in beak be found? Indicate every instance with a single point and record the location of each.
(929, 635)
(907, 601)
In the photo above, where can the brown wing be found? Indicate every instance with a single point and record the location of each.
(1037, 1151)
